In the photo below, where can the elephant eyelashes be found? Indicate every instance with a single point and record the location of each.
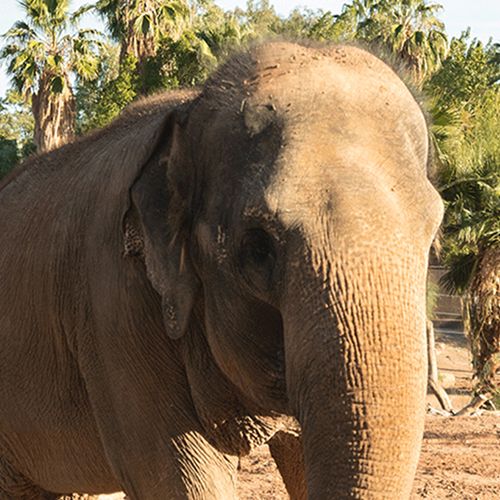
(258, 248)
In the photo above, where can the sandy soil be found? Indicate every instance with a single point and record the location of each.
(460, 456)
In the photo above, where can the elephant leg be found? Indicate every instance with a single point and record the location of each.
(287, 451)
(206, 473)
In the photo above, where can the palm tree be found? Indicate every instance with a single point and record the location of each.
(409, 28)
(472, 257)
(223, 38)
(139, 25)
(469, 180)
(41, 56)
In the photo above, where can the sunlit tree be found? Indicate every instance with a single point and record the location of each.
(42, 53)
(466, 100)
(409, 29)
(140, 25)
(16, 122)
(102, 99)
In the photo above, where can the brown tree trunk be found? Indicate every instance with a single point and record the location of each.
(54, 116)
(482, 315)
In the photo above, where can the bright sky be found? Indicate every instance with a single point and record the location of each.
(482, 16)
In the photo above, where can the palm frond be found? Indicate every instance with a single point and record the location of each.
(460, 271)
(57, 84)
(76, 17)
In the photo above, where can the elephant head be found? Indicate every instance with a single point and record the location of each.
(287, 212)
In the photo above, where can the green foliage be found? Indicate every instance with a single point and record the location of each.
(298, 24)
(41, 54)
(187, 60)
(178, 63)
(9, 155)
(101, 100)
(41, 46)
(16, 123)
(140, 26)
(328, 27)
(260, 21)
(152, 18)
(16, 132)
(259, 17)
(468, 72)
(216, 42)
(141, 18)
(465, 107)
(408, 29)
(472, 218)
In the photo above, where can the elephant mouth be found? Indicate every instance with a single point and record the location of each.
(255, 359)
(269, 336)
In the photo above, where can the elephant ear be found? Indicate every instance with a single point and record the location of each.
(150, 235)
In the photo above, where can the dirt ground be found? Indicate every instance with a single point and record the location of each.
(460, 457)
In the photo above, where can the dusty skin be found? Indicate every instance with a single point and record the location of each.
(460, 457)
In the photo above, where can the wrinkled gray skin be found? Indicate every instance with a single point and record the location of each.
(174, 285)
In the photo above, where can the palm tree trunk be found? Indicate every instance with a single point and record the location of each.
(54, 116)
(482, 314)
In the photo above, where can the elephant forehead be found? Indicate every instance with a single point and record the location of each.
(287, 73)
(355, 189)
(354, 138)
(296, 82)
(332, 101)
(333, 96)
(277, 60)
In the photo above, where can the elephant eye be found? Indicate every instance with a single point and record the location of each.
(258, 246)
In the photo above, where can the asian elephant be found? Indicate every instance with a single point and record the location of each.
(178, 284)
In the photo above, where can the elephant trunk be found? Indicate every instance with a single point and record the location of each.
(356, 372)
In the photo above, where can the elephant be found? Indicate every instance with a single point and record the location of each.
(179, 286)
